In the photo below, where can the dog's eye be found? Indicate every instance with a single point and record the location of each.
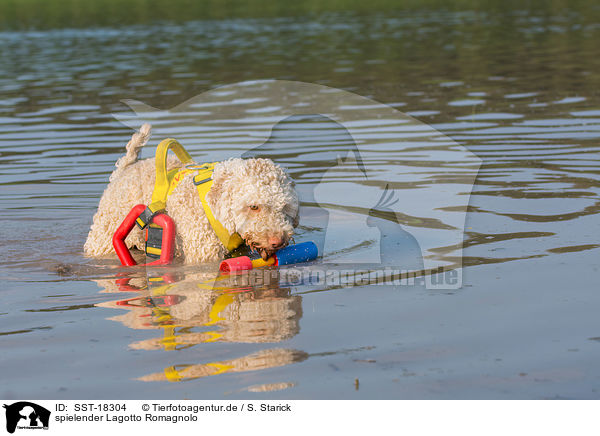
(253, 207)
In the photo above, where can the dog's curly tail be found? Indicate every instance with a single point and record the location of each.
(135, 144)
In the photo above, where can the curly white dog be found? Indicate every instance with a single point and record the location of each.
(251, 197)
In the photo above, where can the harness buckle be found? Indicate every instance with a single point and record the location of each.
(145, 217)
(199, 182)
(195, 166)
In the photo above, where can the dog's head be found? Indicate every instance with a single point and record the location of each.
(256, 199)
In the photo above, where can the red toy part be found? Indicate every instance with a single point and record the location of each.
(241, 263)
(151, 302)
(168, 237)
(124, 286)
(122, 232)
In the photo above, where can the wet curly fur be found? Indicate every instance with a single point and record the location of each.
(253, 197)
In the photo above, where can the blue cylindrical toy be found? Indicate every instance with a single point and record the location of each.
(302, 252)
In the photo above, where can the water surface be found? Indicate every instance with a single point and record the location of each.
(516, 87)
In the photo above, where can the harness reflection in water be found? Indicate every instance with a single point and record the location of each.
(202, 308)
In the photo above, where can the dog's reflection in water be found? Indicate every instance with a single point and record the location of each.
(198, 310)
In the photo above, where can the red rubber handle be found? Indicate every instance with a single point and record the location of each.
(168, 237)
(122, 232)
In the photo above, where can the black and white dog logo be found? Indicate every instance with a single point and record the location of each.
(26, 415)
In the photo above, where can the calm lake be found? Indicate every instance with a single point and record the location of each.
(494, 142)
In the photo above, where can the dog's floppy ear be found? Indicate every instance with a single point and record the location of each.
(220, 175)
(292, 211)
(219, 198)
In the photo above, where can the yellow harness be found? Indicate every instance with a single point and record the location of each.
(167, 181)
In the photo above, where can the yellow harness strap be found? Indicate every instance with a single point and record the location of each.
(221, 303)
(163, 178)
(221, 367)
(167, 181)
(174, 375)
(203, 181)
